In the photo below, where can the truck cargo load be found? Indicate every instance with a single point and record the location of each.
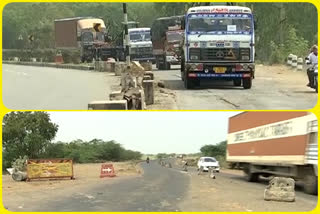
(275, 143)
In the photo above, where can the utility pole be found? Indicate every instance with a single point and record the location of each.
(282, 21)
(127, 41)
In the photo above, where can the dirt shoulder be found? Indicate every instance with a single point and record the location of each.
(229, 192)
(19, 194)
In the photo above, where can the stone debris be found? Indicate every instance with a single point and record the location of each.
(280, 189)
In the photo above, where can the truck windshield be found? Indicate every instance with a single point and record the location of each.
(140, 36)
(87, 37)
(214, 23)
(174, 36)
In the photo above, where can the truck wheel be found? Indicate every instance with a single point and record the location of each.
(167, 66)
(237, 82)
(310, 183)
(251, 177)
(247, 83)
(188, 83)
(182, 69)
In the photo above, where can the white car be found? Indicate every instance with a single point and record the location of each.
(208, 162)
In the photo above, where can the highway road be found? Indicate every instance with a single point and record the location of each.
(275, 87)
(159, 189)
(44, 88)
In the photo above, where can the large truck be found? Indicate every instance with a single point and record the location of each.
(78, 33)
(275, 144)
(87, 34)
(140, 44)
(167, 37)
(219, 44)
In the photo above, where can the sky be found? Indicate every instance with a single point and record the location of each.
(147, 132)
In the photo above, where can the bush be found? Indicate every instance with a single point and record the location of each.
(20, 164)
(47, 55)
(293, 45)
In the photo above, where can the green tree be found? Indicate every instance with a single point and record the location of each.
(217, 150)
(26, 133)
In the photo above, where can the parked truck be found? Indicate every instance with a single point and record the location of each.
(275, 144)
(218, 45)
(140, 44)
(167, 36)
(87, 34)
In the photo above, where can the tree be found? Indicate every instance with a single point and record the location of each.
(218, 150)
(26, 133)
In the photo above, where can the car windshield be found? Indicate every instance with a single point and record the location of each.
(209, 160)
(140, 36)
(220, 23)
(176, 36)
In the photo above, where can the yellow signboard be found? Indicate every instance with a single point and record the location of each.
(49, 168)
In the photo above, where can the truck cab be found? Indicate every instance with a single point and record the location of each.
(173, 44)
(140, 44)
(219, 44)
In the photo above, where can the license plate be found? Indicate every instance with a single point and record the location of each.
(220, 70)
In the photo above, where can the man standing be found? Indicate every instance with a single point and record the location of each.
(313, 60)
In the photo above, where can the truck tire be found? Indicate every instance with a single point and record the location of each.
(251, 177)
(188, 83)
(182, 68)
(247, 83)
(237, 82)
(310, 183)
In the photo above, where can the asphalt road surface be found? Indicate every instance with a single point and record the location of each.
(44, 88)
(275, 87)
(159, 189)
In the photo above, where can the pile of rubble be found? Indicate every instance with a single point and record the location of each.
(137, 87)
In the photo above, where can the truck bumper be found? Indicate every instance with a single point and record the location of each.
(142, 58)
(220, 70)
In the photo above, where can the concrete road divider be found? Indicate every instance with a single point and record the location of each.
(280, 189)
(108, 105)
(148, 91)
(299, 64)
(289, 59)
(294, 61)
(148, 74)
(116, 95)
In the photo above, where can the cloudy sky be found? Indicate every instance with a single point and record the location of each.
(147, 132)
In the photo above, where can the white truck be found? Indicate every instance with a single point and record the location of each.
(218, 44)
(140, 44)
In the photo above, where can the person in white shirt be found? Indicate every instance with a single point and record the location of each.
(313, 60)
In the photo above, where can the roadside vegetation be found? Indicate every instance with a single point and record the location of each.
(31, 134)
(282, 28)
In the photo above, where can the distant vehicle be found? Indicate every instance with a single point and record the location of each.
(208, 162)
(140, 44)
(167, 37)
(88, 34)
(275, 144)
